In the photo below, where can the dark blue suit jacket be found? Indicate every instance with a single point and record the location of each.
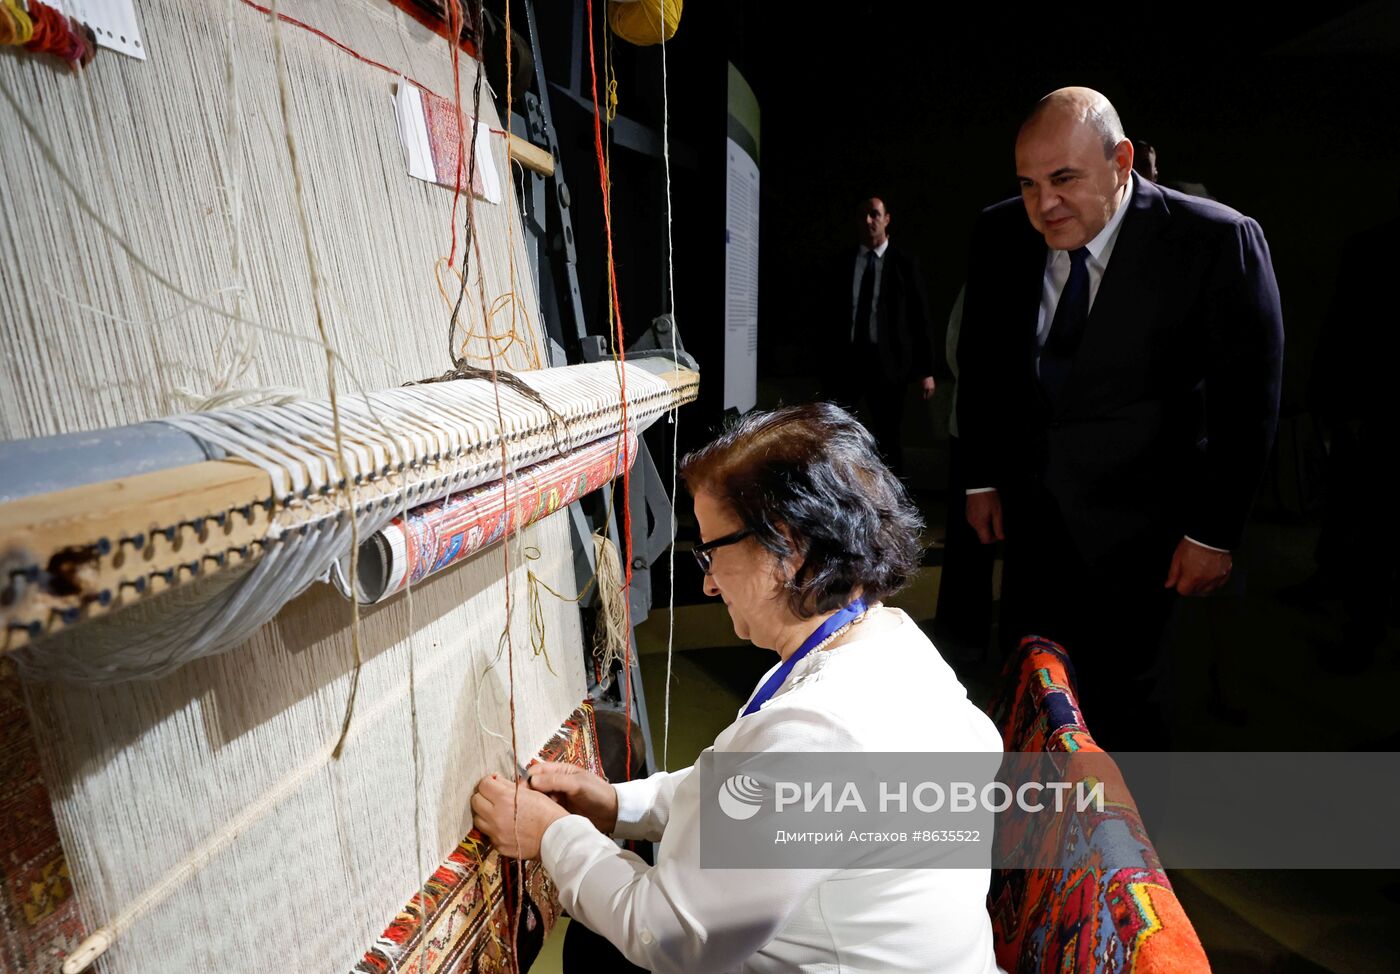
(1168, 415)
(905, 349)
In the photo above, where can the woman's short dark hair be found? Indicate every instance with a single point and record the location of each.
(813, 472)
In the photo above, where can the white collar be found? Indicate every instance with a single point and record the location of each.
(879, 251)
(1101, 247)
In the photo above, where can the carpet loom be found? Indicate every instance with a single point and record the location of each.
(155, 265)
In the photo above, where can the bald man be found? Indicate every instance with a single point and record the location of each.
(1121, 355)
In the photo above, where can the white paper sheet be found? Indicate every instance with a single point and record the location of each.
(112, 21)
(413, 132)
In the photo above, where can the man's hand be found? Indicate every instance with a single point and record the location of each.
(927, 386)
(513, 816)
(984, 514)
(1197, 570)
(579, 790)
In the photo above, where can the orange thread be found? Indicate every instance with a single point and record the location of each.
(454, 24)
(621, 355)
(327, 37)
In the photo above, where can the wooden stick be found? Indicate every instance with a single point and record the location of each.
(532, 157)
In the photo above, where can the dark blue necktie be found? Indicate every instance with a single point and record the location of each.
(1067, 328)
(864, 300)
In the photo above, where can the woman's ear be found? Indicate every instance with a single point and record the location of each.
(796, 557)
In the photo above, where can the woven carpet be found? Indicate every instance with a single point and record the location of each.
(1080, 917)
(38, 912)
(460, 921)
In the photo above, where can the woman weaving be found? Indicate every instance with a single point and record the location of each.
(803, 532)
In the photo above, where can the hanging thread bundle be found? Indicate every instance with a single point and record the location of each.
(41, 29)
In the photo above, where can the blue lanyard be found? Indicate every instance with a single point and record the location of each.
(844, 617)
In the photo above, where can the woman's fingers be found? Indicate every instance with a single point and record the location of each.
(512, 816)
(555, 783)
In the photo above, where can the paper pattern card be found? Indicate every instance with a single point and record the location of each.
(432, 134)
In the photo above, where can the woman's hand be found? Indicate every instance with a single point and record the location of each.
(513, 816)
(579, 790)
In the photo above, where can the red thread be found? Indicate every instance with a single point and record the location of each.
(454, 23)
(56, 34)
(344, 47)
(622, 360)
(435, 24)
(469, 48)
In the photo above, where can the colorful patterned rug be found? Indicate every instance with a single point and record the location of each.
(1080, 917)
(461, 920)
(38, 912)
(459, 923)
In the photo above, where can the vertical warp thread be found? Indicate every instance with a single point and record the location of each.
(620, 354)
(345, 486)
(183, 262)
(675, 413)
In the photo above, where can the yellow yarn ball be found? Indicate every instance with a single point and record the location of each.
(640, 21)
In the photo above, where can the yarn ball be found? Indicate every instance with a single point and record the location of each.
(642, 22)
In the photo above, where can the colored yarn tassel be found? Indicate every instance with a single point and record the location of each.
(16, 26)
(44, 30)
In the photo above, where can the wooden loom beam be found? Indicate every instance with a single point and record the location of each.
(75, 554)
(84, 551)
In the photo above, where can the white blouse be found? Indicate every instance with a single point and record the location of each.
(887, 691)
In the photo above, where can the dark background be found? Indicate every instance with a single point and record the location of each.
(1290, 117)
(1287, 114)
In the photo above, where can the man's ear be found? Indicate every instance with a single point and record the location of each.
(1123, 157)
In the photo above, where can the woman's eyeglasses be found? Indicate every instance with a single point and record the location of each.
(703, 552)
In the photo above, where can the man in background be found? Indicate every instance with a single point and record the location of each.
(878, 330)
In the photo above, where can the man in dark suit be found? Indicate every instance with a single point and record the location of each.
(879, 332)
(1121, 368)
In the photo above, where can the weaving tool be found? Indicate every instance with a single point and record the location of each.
(91, 550)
